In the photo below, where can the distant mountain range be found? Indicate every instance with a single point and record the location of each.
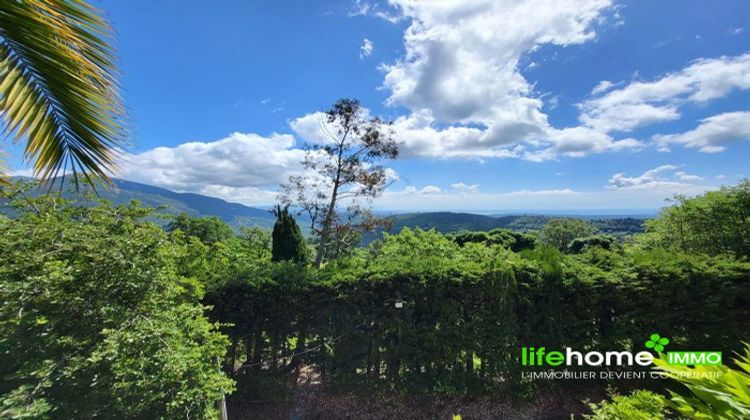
(240, 215)
(175, 203)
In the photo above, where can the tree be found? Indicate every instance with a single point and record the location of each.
(713, 223)
(97, 321)
(58, 87)
(342, 167)
(209, 230)
(257, 241)
(288, 242)
(560, 232)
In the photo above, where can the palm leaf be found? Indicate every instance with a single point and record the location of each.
(58, 88)
(3, 171)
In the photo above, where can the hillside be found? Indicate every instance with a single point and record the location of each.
(174, 203)
(446, 222)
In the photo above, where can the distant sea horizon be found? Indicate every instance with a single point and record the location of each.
(602, 214)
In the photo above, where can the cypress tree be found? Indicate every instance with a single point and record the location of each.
(288, 242)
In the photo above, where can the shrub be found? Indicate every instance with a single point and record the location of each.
(516, 241)
(713, 391)
(640, 405)
(579, 244)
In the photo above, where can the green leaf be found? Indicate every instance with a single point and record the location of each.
(58, 87)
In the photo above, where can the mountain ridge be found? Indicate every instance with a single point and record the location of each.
(238, 215)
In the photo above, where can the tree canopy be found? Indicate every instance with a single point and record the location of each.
(560, 232)
(97, 319)
(343, 167)
(714, 223)
(208, 229)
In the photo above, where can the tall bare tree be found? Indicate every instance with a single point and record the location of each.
(343, 168)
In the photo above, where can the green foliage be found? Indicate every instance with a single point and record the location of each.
(97, 319)
(167, 204)
(448, 222)
(560, 232)
(288, 242)
(477, 303)
(257, 241)
(640, 405)
(418, 311)
(455, 298)
(209, 230)
(522, 241)
(516, 241)
(713, 223)
(714, 392)
(602, 241)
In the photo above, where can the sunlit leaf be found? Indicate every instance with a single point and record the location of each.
(58, 88)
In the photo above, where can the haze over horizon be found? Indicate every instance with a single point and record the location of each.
(591, 106)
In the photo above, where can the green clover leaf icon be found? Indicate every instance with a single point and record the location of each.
(657, 342)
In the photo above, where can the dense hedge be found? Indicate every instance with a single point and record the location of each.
(468, 308)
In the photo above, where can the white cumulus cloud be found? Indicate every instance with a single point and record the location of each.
(456, 199)
(642, 103)
(244, 168)
(460, 75)
(664, 178)
(713, 133)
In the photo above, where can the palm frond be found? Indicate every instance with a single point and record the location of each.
(3, 171)
(58, 88)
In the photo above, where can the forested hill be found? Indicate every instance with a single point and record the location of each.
(174, 203)
(446, 222)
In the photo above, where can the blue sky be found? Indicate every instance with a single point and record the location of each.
(496, 102)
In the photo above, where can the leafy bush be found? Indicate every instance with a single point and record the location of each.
(713, 391)
(560, 232)
(602, 241)
(515, 241)
(640, 405)
(97, 322)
